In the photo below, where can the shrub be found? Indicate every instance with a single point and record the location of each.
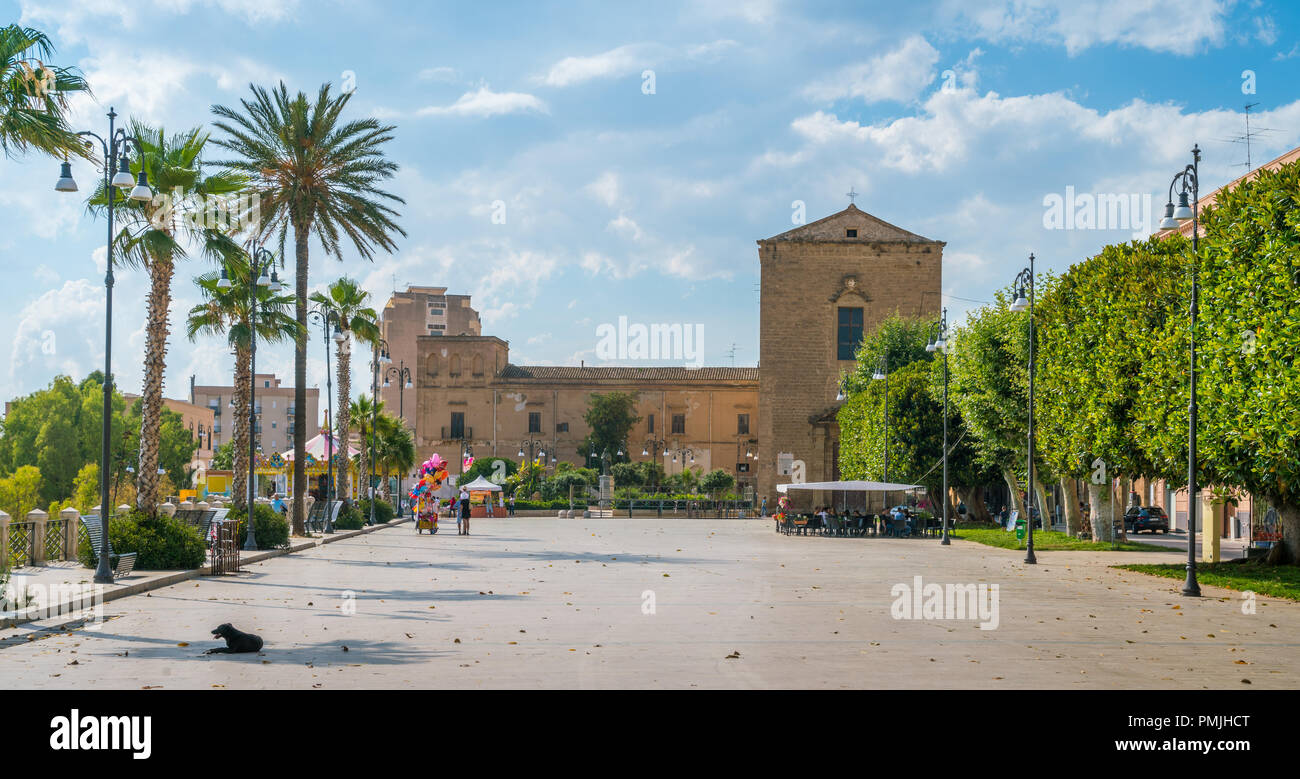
(272, 529)
(383, 511)
(162, 544)
(350, 517)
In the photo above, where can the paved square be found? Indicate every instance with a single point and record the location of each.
(541, 602)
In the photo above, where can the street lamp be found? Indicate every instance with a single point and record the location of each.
(1024, 301)
(403, 375)
(882, 374)
(939, 343)
(535, 450)
(1188, 182)
(115, 148)
(326, 319)
(656, 445)
(380, 357)
(259, 261)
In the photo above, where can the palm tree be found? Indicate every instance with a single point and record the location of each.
(394, 450)
(226, 312)
(154, 235)
(33, 96)
(318, 176)
(346, 304)
(366, 412)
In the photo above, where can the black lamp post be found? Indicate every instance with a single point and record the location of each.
(115, 150)
(1024, 284)
(657, 445)
(260, 260)
(403, 375)
(326, 319)
(534, 450)
(882, 374)
(380, 356)
(1188, 183)
(939, 343)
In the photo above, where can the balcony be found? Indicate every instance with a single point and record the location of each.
(450, 434)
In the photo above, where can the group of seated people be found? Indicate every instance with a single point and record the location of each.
(857, 522)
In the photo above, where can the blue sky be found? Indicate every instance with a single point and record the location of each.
(952, 119)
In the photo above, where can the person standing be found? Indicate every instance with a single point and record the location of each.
(464, 512)
(512, 506)
(764, 514)
(487, 503)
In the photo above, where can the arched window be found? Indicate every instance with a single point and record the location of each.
(454, 369)
(431, 365)
(477, 365)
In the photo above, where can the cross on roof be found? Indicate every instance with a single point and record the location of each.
(851, 194)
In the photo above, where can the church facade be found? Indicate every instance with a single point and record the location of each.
(823, 285)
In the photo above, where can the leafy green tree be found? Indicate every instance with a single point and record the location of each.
(394, 450)
(1247, 341)
(223, 458)
(21, 492)
(717, 481)
(85, 488)
(318, 176)
(611, 417)
(34, 96)
(347, 306)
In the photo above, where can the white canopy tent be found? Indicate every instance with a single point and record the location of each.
(851, 486)
(481, 484)
(845, 487)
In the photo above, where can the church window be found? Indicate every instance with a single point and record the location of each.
(849, 335)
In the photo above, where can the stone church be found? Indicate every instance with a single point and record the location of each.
(823, 285)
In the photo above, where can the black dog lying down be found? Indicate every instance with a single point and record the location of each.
(236, 641)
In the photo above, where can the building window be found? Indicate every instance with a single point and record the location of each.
(742, 424)
(851, 233)
(650, 423)
(457, 424)
(534, 421)
(849, 332)
(562, 427)
(679, 424)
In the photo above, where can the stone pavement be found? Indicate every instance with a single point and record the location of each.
(551, 603)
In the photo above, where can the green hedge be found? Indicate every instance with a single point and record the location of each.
(383, 511)
(272, 528)
(162, 544)
(350, 517)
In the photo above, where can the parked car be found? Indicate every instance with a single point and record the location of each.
(1149, 518)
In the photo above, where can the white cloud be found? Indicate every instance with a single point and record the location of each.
(605, 188)
(899, 75)
(1174, 26)
(442, 73)
(483, 102)
(631, 59)
(626, 226)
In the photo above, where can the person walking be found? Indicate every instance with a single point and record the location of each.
(764, 510)
(464, 512)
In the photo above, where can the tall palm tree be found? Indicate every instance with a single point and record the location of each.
(33, 96)
(347, 304)
(366, 412)
(154, 236)
(226, 312)
(394, 450)
(316, 175)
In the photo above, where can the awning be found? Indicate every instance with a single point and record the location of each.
(850, 486)
(482, 485)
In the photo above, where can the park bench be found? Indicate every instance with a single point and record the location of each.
(95, 531)
(322, 516)
(199, 519)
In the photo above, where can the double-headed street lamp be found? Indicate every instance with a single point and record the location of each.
(536, 449)
(260, 260)
(939, 343)
(325, 319)
(1024, 284)
(115, 150)
(1188, 182)
(403, 376)
(380, 356)
(657, 446)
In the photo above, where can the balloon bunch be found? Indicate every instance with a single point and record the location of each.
(433, 473)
